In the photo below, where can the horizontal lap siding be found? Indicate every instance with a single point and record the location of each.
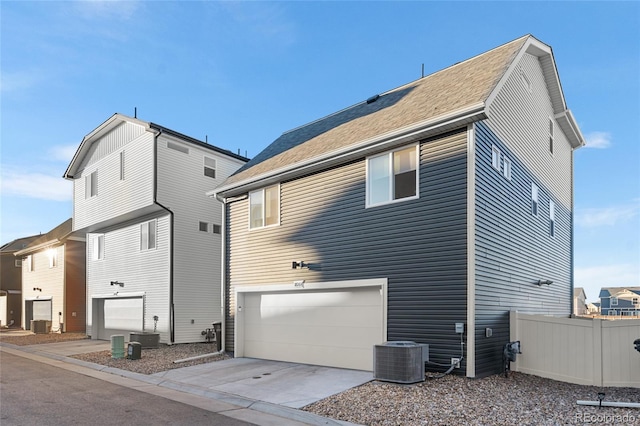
(196, 255)
(419, 245)
(514, 250)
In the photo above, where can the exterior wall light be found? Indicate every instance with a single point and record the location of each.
(117, 283)
(547, 282)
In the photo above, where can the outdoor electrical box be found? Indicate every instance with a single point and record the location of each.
(459, 327)
(134, 350)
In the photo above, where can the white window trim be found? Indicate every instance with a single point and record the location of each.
(614, 299)
(144, 245)
(200, 223)
(91, 185)
(264, 218)
(390, 155)
(121, 165)
(30, 266)
(214, 168)
(552, 219)
(508, 165)
(552, 141)
(96, 253)
(495, 155)
(53, 257)
(534, 199)
(18, 263)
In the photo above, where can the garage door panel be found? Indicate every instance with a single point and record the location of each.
(333, 327)
(330, 316)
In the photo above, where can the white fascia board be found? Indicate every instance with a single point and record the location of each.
(413, 132)
(45, 245)
(570, 128)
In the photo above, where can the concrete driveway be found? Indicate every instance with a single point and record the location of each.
(283, 383)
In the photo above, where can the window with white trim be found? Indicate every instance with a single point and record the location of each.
(551, 125)
(392, 176)
(204, 227)
(210, 167)
(552, 218)
(91, 185)
(18, 263)
(30, 265)
(534, 199)
(148, 235)
(495, 157)
(506, 171)
(264, 207)
(216, 229)
(614, 301)
(634, 300)
(52, 254)
(121, 165)
(97, 249)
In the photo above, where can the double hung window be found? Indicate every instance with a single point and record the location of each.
(392, 176)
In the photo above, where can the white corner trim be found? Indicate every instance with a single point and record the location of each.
(471, 252)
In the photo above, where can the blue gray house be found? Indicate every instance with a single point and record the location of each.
(623, 301)
(445, 201)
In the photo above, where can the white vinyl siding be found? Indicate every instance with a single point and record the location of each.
(145, 272)
(47, 282)
(197, 255)
(392, 176)
(115, 197)
(516, 115)
(264, 207)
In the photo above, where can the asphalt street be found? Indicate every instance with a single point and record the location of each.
(33, 393)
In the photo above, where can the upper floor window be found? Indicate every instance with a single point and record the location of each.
(495, 157)
(97, 252)
(18, 263)
(614, 301)
(264, 207)
(534, 199)
(91, 185)
(148, 235)
(210, 227)
(210, 167)
(52, 254)
(122, 165)
(507, 168)
(30, 263)
(634, 300)
(204, 227)
(552, 218)
(392, 176)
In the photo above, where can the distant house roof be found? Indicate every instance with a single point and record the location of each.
(117, 119)
(442, 101)
(18, 244)
(577, 291)
(611, 291)
(54, 237)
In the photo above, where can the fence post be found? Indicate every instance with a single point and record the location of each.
(597, 352)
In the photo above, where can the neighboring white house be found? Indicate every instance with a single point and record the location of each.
(579, 301)
(153, 237)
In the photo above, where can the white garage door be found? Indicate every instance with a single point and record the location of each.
(336, 327)
(120, 316)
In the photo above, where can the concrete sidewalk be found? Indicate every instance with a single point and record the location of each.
(257, 391)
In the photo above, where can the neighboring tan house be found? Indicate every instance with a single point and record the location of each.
(446, 200)
(593, 308)
(154, 242)
(620, 301)
(579, 302)
(11, 281)
(53, 280)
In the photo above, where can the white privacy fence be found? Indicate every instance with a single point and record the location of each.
(577, 350)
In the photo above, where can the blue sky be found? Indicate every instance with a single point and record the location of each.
(241, 73)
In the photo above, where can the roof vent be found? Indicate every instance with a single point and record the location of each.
(373, 99)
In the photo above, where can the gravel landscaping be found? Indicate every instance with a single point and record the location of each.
(520, 399)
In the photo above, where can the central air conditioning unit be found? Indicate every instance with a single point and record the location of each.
(400, 362)
(41, 326)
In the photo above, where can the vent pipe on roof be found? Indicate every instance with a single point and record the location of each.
(206, 138)
(373, 99)
(422, 71)
(135, 112)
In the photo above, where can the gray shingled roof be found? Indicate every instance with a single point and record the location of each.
(455, 88)
(57, 234)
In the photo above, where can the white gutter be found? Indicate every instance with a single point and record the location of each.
(460, 117)
(46, 244)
